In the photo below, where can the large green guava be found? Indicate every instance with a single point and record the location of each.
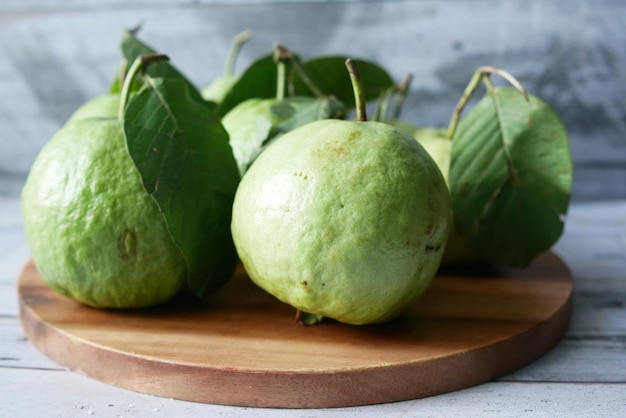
(439, 147)
(342, 219)
(103, 106)
(219, 88)
(94, 233)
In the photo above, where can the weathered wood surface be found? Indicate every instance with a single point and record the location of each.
(244, 348)
(54, 55)
(584, 375)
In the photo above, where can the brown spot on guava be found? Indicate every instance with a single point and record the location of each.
(127, 244)
(305, 285)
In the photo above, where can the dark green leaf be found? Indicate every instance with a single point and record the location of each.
(259, 80)
(132, 47)
(510, 177)
(331, 76)
(182, 153)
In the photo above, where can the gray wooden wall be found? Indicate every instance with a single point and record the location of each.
(56, 54)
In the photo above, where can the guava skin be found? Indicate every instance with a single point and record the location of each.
(103, 106)
(439, 146)
(94, 233)
(406, 126)
(219, 88)
(347, 220)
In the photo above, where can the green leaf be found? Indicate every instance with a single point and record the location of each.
(116, 84)
(510, 177)
(255, 123)
(257, 81)
(330, 75)
(289, 114)
(182, 153)
(132, 47)
(297, 111)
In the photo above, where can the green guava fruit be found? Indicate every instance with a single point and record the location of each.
(219, 88)
(103, 106)
(406, 126)
(248, 125)
(439, 146)
(342, 219)
(94, 233)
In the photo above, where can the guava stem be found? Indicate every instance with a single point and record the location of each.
(481, 74)
(138, 66)
(384, 102)
(486, 70)
(402, 91)
(235, 47)
(306, 319)
(285, 54)
(280, 80)
(382, 106)
(281, 68)
(357, 86)
(467, 94)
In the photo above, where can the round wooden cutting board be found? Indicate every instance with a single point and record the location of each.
(245, 348)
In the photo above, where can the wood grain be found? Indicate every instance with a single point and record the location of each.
(244, 347)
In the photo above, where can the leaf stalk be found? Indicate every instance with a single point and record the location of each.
(138, 67)
(402, 91)
(282, 53)
(481, 74)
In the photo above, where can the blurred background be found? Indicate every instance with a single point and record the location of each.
(54, 55)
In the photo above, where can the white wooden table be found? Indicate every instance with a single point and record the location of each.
(583, 376)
